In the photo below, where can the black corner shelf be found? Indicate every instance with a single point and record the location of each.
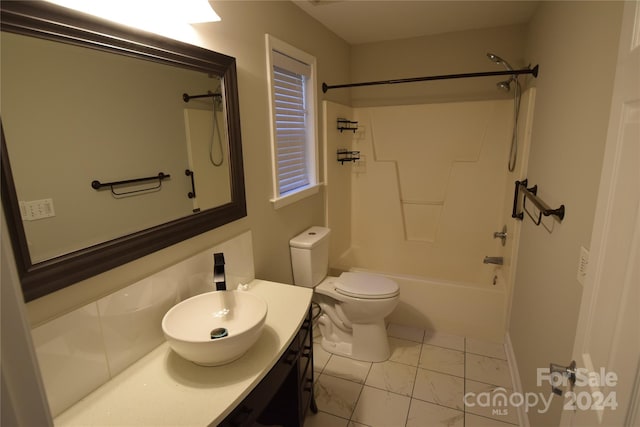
(344, 155)
(344, 124)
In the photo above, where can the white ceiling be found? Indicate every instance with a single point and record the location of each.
(365, 21)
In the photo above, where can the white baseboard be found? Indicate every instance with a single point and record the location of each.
(523, 418)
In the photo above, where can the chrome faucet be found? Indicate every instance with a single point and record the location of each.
(493, 260)
(219, 276)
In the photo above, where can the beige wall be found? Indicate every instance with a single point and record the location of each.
(239, 34)
(575, 44)
(450, 53)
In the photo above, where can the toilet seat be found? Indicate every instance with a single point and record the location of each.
(366, 286)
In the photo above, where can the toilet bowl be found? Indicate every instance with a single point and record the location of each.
(353, 305)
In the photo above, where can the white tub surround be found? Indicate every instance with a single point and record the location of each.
(463, 309)
(423, 203)
(164, 389)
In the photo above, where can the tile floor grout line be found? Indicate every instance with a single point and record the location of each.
(464, 384)
(326, 363)
(355, 404)
(436, 404)
(333, 415)
(443, 373)
(484, 355)
(490, 384)
(415, 379)
(343, 378)
(442, 346)
(492, 419)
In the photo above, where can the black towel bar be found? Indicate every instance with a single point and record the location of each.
(532, 194)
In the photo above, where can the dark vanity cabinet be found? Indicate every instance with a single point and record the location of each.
(284, 395)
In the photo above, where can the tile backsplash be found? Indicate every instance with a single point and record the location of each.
(72, 356)
(81, 350)
(130, 319)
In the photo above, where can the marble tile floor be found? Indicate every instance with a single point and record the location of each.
(421, 385)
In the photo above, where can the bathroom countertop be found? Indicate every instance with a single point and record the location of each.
(164, 389)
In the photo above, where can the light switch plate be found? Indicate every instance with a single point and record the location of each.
(37, 209)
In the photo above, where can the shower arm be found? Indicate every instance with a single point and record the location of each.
(533, 71)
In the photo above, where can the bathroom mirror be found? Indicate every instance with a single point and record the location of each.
(86, 103)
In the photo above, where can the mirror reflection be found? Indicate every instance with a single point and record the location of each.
(73, 115)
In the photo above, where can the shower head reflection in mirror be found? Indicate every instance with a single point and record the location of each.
(216, 104)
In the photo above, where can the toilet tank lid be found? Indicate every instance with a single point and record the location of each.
(310, 237)
(358, 283)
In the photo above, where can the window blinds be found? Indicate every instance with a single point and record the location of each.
(291, 123)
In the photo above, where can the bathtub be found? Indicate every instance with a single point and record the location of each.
(463, 309)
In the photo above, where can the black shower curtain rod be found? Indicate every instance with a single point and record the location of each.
(533, 71)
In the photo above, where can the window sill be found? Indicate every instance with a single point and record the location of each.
(286, 200)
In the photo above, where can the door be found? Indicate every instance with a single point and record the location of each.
(607, 341)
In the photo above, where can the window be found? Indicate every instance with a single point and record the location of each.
(294, 138)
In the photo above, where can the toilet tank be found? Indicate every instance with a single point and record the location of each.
(310, 256)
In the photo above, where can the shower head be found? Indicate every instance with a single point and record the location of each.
(498, 60)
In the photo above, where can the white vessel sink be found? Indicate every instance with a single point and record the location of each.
(196, 327)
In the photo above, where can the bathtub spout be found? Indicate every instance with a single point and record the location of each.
(493, 260)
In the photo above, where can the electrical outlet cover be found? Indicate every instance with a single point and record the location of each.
(583, 264)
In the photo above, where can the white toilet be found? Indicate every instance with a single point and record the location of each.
(354, 305)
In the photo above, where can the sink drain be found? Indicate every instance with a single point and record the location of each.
(219, 333)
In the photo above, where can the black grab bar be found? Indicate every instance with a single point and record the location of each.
(97, 185)
(186, 97)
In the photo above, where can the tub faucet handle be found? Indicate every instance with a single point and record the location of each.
(501, 235)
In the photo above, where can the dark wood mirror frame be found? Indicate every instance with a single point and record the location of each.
(48, 21)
